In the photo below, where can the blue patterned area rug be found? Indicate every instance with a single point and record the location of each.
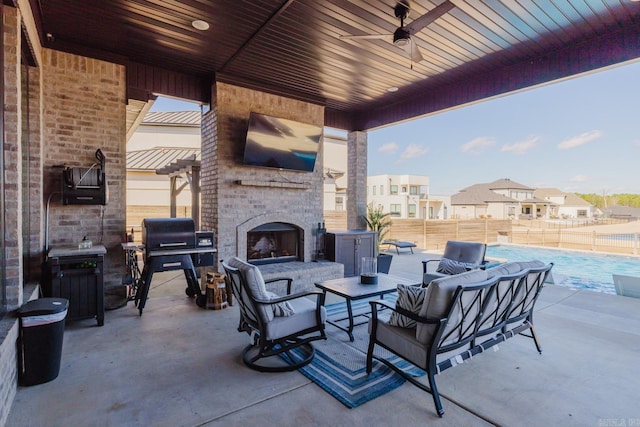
(339, 366)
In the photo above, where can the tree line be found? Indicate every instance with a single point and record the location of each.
(604, 201)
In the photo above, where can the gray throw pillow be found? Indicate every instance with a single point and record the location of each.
(410, 298)
(281, 309)
(449, 266)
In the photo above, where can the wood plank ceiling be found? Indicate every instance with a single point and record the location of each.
(480, 48)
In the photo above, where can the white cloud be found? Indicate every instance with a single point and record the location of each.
(579, 178)
(478, 145)
(579, 140)
(391, 147)
(521, 147)
(413, 151)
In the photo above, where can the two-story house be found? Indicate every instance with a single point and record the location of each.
(406, 196)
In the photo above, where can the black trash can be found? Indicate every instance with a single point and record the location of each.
(40, 340)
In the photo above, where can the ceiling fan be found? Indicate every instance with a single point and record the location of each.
(402, 35)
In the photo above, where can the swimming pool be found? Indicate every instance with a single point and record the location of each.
(576, 269)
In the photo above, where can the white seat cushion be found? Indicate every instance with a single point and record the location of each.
(304, 317)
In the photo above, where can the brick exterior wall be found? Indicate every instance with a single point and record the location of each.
(84, 109)
(231, 209)
(357, 180)
(12, 158)
(33, 199)
(8, 366)
(13, 207)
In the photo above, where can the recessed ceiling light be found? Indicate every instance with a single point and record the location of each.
(200, 25)
(392, 89)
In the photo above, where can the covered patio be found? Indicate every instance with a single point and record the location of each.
(78, 75)
(178, 365)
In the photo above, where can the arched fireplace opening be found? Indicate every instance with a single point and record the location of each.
(274, 242)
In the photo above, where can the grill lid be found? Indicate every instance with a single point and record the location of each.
(168, 233)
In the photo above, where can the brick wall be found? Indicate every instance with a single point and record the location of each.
(231, 209)
(84, 109)
(357, 180)
(13, 207)
(33, 200)
(8, 366)
(12, 158)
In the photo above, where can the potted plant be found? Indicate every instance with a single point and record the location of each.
(380, 222)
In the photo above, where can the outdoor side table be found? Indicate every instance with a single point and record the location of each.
(351, 289)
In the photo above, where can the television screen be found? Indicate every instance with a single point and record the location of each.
(278, 143)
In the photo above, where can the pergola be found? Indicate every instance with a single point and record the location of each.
(189, 171)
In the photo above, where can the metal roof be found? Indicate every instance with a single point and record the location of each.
(174, 118)
(159, 157)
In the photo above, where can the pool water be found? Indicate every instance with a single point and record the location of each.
(575, 269)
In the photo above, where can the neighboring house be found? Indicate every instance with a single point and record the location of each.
(565, 205)
(506, 199)
(405, 196)
(622, 212)
(501, 199)
(160, 140)
(335, 170)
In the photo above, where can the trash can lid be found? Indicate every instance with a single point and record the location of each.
(42, 306)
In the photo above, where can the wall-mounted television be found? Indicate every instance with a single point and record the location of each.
(273, 142)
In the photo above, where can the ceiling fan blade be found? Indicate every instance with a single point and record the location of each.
(419, 23)
(368, 36)
(416, 55)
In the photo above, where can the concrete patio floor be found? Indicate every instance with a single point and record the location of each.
(179, 365)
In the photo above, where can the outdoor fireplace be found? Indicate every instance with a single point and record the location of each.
(274, 242)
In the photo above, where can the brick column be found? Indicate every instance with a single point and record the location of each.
(12, 157)
(357, 179)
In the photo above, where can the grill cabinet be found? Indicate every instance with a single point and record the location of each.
(77, 275)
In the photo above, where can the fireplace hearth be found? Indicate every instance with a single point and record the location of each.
(274, 242)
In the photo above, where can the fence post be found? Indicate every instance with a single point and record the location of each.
(593, 241)
(543, 237)
(424, 233)
(559, 236)
(486, 230)
(635, 243)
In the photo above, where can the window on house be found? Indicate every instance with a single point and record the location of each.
(395, 210)
(393, 189)
(412, 211)
(404, 188)
(374, 190)
(382, 190)
(413, 190)
(339, 203)
(582, 213)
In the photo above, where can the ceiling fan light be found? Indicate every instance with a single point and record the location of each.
(401, 37)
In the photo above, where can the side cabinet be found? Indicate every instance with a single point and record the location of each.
(78, 277)
(348, 248)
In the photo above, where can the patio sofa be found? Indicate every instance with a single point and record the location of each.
(457, 317)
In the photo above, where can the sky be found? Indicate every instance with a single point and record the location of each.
(578, 135)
